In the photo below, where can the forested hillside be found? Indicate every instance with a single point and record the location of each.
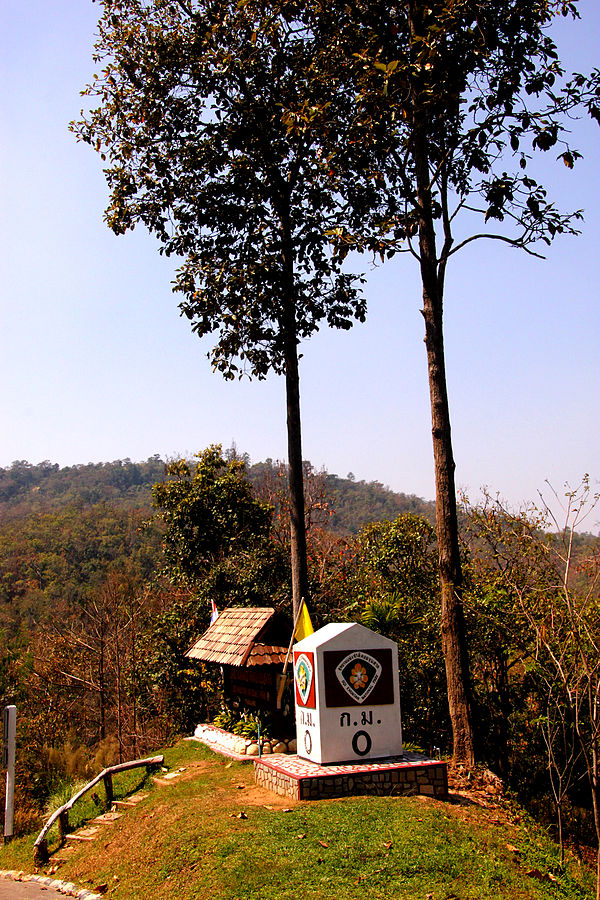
(95, 616)
(107, 573)
(357, 503)
(27, 489)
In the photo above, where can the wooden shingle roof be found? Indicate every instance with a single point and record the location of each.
(266, 655)
(233, 640)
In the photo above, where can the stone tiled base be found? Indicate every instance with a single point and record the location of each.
(294, 777)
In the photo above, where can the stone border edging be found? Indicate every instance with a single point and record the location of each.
(219, 748)
(63, 887)
(237, 747)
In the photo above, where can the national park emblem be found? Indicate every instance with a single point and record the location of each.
(358, 673)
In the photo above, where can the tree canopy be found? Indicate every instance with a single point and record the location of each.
(209, 514)
(467, 91)
(214, 121)
(452, 101)
(251, 137)
(208, 122)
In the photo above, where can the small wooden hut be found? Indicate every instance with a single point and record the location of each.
(250, 644)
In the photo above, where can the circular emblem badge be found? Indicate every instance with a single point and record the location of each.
(358, 673)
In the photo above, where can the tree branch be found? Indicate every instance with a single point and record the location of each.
(514, 242)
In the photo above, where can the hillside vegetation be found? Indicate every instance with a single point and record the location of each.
(26, 489)
(213, 833)
(94, 622)
(108, 573)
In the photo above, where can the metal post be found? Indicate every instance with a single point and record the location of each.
(8, 758)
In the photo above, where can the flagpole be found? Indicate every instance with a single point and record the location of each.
(282, 682)
(296, 620)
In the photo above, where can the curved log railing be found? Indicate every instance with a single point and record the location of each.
(40, 847)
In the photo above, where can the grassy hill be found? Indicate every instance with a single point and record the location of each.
(213, 833)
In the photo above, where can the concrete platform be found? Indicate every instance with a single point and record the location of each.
(301, 779)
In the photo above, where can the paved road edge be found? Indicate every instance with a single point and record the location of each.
(62, 887)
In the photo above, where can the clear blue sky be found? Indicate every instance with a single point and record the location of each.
(97, 365)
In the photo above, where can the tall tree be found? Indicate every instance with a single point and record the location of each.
(238, 133)
(210, 518)
(208, 122)
(452, 98)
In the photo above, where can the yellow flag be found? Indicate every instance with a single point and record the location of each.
(303, 625)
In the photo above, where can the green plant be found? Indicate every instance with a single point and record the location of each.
(225, 718)
(244, 722)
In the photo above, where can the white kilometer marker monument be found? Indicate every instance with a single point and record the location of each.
(347, 695)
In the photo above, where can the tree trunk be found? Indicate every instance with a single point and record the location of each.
(559, 822)
(505, 711)
(134, 680)
(296, 477)
(289, 333)
(454, 644)
(118, 624)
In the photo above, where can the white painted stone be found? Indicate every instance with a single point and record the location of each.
(252, 750)
(280, 747)
(347, 695)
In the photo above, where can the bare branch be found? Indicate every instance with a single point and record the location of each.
(514, 242)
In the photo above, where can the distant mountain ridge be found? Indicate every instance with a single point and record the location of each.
(27, 489)
(356, 503)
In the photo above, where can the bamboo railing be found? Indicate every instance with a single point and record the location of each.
(40, 847)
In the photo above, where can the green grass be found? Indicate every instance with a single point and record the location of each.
(187, 841)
